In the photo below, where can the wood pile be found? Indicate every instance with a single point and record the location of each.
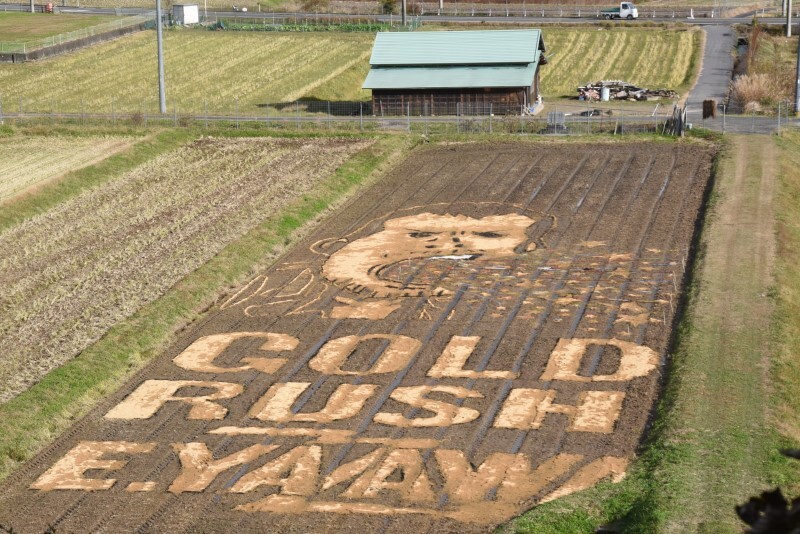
(619, 90)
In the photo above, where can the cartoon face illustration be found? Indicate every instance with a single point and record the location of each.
(382, 262)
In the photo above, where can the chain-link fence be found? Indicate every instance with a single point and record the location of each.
(24, 47)
(730, 118)
(303, 115)
(554, 118)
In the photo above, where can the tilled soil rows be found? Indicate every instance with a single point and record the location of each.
(481, 331)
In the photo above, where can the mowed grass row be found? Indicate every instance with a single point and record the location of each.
(31, 161)
(70, 274)
(242, 72)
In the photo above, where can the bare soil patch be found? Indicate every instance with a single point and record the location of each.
(73, 272)
(479, 332)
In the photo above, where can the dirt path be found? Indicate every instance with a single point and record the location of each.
(723, 387)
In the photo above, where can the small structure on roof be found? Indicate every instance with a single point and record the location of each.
(455, 72)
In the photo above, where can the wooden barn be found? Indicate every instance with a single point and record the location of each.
(455, 72)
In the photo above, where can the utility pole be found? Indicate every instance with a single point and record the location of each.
(797, 84)
(789, 18)
(403, 12)
(162, 94)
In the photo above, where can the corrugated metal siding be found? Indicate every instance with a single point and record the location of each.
(449, 77)
(457, 47)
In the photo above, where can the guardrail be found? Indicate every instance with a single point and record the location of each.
(495, 9)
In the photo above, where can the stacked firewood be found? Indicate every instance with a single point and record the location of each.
(619, 90)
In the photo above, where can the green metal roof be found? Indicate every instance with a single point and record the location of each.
(485, 47)
(444, 77)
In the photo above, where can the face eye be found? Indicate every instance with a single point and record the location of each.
(487, 234)
(420, 235)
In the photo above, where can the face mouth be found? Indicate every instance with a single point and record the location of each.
(459, 257)
(393, 276)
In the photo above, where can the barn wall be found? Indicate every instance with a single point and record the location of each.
(500, 101)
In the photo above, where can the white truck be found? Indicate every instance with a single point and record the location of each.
(626, 10)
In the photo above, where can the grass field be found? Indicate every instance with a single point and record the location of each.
(31, 161)
(29, 26)
(226, 71)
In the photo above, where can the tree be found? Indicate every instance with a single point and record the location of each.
(388, 6)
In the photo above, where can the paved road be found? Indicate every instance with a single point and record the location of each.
(717, 67)
(540, 14)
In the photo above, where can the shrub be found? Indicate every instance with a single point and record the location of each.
(137, 119)
(752, 91)
(314, 6)
(185, 121)
(388, 6)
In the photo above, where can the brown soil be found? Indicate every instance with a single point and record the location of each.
(481, 331)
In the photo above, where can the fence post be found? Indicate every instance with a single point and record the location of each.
(361, 115)
(723, 119)
(1, 109)
(174, 113)
(329, 114)
(144, 115)
(408, 116)
(113, 113)
(588, 127)
(205, 112)
(297, 113)
(779, 118)
(491, 115)
(237, 111)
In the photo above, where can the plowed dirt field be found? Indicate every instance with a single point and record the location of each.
(481, 331)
